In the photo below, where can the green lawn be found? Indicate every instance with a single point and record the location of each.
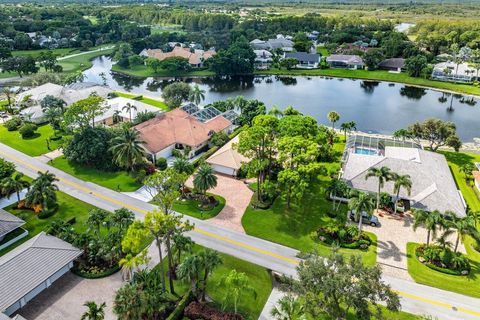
(259, 277)
(377, 75)
(68, 208)
(142, 71)
(81, 62)
(156, 103)
(35, 146)
(323, 51)
(61, 52)
(117, 180)
(190, 208)
(294, 227)
(8, 75)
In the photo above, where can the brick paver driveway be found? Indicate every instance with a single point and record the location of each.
(237, 198)
(65, 298)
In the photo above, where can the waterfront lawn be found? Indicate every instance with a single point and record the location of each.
(156, 103)
(455, 161)
(142, 71)
(35, 146)
(467, 285)
(379, 75)
(259, 279)
(191, 208)
(294, 227)
(60, 52)
(68, 208)
(81, 62)
(115, 180)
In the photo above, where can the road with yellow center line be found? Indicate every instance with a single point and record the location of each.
(262, 252)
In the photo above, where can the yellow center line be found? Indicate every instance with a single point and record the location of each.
(237, 243)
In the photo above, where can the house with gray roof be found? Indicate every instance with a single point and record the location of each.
(280, 42)
(305, 60)
(393, 64)
(433, 186)
(8, 226)
(346, 61)
(31, 268)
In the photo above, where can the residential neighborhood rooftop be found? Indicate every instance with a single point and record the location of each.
(228, 156)
(8, 223)
(346, 58)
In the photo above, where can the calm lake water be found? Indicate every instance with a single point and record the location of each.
(378, 107)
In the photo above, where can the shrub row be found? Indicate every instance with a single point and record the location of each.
(88, 275)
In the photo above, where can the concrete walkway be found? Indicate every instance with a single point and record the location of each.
(143, 194)
(45, 158)
(275, 295)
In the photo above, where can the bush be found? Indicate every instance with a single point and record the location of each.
(28, 130)
(177, 314)
(161, 163)
(443, 259)
(344, 236)
(13, 124)
(196, 310)
(45, 214)
(95, 274)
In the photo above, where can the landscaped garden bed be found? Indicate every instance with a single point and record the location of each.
(443, 260)
(194, 205)
(343, 236)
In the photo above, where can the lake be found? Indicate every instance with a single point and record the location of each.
(377, 107)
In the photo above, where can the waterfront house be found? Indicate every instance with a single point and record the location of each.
(305, 60)
(263, 59)
(117, 111)
(195, 57)
(345, 61)
(451, 71)
(393, 64)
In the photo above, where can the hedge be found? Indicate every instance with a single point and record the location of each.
(177, 313)
(443, 270)
(99, 275)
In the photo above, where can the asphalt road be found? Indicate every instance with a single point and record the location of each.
(415, 298)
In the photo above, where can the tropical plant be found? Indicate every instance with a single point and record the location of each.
(181, 244)
(204, 179)
(464, 227)
(383, 175)
(288, 308)
(42, 194)
(129, 108)
(190, 270)
(443, 241)
(401, 181)
(127, 149)
(432, 221)
(94, 312)
(275, 111)
(348, 127)
(96, 219)
(15, 184)
(360, 203)
(8, 93)
(210, 260)
(197, 95)
(237, 285)
(333, 117)
(467, 169)
(130, 262)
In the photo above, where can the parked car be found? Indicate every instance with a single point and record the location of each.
(366, 219)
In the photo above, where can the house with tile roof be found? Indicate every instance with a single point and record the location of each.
(227, 160)
(31, 268)
(178, 129)
(195, 58)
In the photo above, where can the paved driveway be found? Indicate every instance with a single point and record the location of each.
(237, 198)
(65, 298)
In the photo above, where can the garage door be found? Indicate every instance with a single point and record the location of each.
(223, 170)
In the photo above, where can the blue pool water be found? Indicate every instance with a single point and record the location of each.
(365, 151)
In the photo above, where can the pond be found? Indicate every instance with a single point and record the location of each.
(377, 107)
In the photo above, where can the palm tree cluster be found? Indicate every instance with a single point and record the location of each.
(42, 195)
(204, 179)
(127, 149)
(14, 183)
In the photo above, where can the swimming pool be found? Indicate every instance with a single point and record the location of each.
(366, 151)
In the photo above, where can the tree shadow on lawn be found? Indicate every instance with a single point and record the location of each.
(458, 158)
(32, 137)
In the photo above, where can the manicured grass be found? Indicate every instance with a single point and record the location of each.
(35, 146)
(467, 285)
(378, 75)
(81, 62)
(190, 208)
(68, 208)
(153, 102)
(323, 51)
(455, 161)
(61, 52)
(116, 180)
(143, 71)
(259, 278)
(4, 75)
(294, 227)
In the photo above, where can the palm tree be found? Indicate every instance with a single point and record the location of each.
(128, 108)
(180, 245)
(204, 179)
(122, 218)
(348, 127)
(360, 203)
(95, 312)
(182, 165)
(197, 95)
(443, 241)
(14, 184)
(96, 218)
(276, 112)
(127, 149)
(431, 221)
(465, 227)
(7, 91)
(42, 191)
(190, 270)
(210, 260)
(333, 116)
(401, 181)
(288, 308)
(237, 285)
(383, 175)
(129, 263)
(53, 115)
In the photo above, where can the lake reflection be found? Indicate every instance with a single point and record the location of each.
(375, 106)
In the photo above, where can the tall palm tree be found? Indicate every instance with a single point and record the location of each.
(197, 95)
(333, 116)
(383, 175)
(129, 263)
(401, 181)
(288, 308)
(276, 112)
(42, 191)
(7, 91)
(127, 149)
(204, 179)
(122, 218)
(53, 115)
(348, 127)
(182, 165)
(128, 108)
(464, 227)
(360, 203)
(210, 260)
(190, 270)
(443, 239)
(96, 218)
(236, 284)
(15, 184)
(94, 312)
(432, 221)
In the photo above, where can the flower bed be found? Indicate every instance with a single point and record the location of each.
(443, 260)
(94, 272)
(344, 236)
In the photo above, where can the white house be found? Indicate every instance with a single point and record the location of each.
(118, 111)
(263, 58)
(450, 71)
(346, 61)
